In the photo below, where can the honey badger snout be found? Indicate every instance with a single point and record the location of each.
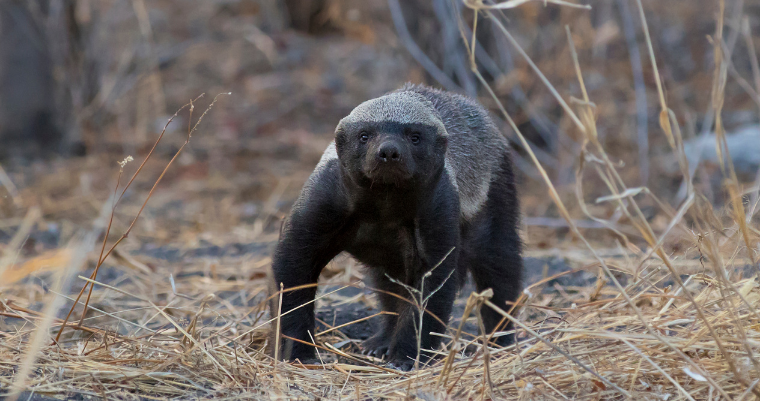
(388, 152)
(389, 162)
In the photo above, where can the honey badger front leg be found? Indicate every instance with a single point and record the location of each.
(310, 238)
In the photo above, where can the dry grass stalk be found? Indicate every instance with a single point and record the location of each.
(41, 332)
(102, 257)
(11, 250)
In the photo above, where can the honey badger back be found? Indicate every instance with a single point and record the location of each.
(417, 186)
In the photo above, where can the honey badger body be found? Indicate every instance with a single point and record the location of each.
(417, 181)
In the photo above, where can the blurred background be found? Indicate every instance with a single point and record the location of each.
(86, 83)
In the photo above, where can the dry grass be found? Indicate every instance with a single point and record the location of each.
(658, 324)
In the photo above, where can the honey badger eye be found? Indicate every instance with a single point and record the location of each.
(364, 137)
(415, 138)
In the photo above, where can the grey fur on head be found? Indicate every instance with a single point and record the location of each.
(399, 107)
(475, 144)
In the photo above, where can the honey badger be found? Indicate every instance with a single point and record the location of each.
(417, 186)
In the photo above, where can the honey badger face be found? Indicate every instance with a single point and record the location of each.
(398, 139)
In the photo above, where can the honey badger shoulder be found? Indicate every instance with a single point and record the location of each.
(417, 186)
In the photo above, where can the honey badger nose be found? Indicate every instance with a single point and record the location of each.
(388, 152)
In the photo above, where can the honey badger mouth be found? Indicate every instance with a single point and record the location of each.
(392, 175)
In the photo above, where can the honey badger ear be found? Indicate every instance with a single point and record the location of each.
(340, 137)
(442, 138)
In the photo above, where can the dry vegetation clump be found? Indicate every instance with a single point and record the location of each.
(672, 310)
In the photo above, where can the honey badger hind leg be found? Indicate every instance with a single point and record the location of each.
(493, 250)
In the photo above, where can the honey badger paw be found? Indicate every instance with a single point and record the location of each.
(377, 345)
(403, 365)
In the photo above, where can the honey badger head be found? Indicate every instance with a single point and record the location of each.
(395, 140)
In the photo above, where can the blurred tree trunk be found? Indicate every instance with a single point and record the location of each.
(28, 118)
(47, 76)
(70, 26)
